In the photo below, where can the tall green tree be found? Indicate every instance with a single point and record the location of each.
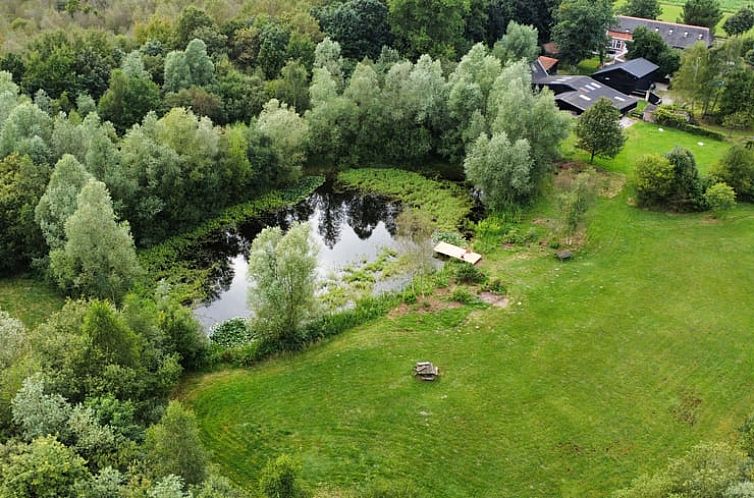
(650, 45)
(99, 258)
(173, 446)
(740, 22)
(433, 27)
(699, 78)
(288, 134)
(581, 27)
(702, 13)
(60, 199)
(646, 9)
(599, 131)
(500, 170)
(282, 268)
(22, 183)
(360, 26)
(191, 67)
(519, 42)
(27, 131)
(131, 94)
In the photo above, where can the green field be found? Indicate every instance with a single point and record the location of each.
(645, 138)
(600, 370)
(29, 300)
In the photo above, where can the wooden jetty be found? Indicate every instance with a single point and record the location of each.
(457, 252)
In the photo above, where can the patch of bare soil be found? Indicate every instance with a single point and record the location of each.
(494, 299)
(612, 185)
(429, 304)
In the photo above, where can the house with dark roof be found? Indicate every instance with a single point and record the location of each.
(578, 93)
(635, 76)
(678, 36)
(549, 63)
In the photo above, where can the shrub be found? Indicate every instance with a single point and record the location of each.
(233, 332)
(678, 118)
(720, 198)
(278, 479)
(463, 296)
(737, 170)
(496, 286)
(654, 178)
(469, 274)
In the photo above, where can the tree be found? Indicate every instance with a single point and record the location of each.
(288, 134)
(650, 45)
(433, 27)
(687, 193)
(38, 413)
(702, 13)
(278, 479)
(27, 131)
(173, 446)
(720, 198)
(43, 469)
(599, 131)
(99, 257)
(13, 340)
(360, 26)
(500, 170)
(698, 79)
(282, 268)
(737, 98)
(22, 184)
(740, 22)
(519, 42)
(273, 49)
(737, 170)
(581, 28)
(60, 199)
(646, 9)
(131, 94)
(201, 102)
(191, 20)
(189, 67)
(293, 87)
(654, 177)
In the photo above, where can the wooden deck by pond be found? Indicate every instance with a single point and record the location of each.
(457, 252)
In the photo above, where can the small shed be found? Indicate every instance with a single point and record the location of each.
(425, 370)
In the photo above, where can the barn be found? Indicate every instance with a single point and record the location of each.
(635, 76)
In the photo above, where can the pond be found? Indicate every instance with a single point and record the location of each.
(349, 228)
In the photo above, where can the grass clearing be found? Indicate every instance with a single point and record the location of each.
(601, 369)
(645, 138)
(574, 392)
(31, 301)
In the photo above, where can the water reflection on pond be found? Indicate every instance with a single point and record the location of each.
(349, 227)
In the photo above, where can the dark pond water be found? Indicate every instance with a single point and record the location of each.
(348, 227)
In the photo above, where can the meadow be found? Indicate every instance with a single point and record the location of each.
(28, 299)
(601, 368)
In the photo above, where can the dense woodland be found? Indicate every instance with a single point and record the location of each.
(123, 123)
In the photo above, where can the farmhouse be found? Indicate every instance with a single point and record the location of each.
(635, 76)
(678, 36)
(579, 93)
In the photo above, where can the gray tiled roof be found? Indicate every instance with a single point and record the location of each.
(585, 92)
(639, 68)
(675, 35)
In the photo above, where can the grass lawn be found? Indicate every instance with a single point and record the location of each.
(645, 138)
(29, 300)
(602, 368)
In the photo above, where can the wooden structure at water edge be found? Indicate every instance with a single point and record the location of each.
(425, 370)
(457, 252)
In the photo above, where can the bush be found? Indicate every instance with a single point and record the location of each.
(463, 296)
(678, 118)
(278, 479)
(720, 198)
(233, 332)
(654, 176)
(466, 273)
(737, 170)
(496, 286)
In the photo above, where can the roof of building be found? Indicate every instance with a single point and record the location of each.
(675, 35)
(551, 48)
(637, 68)
(538, 71)
(585, 92)
(547, 62)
